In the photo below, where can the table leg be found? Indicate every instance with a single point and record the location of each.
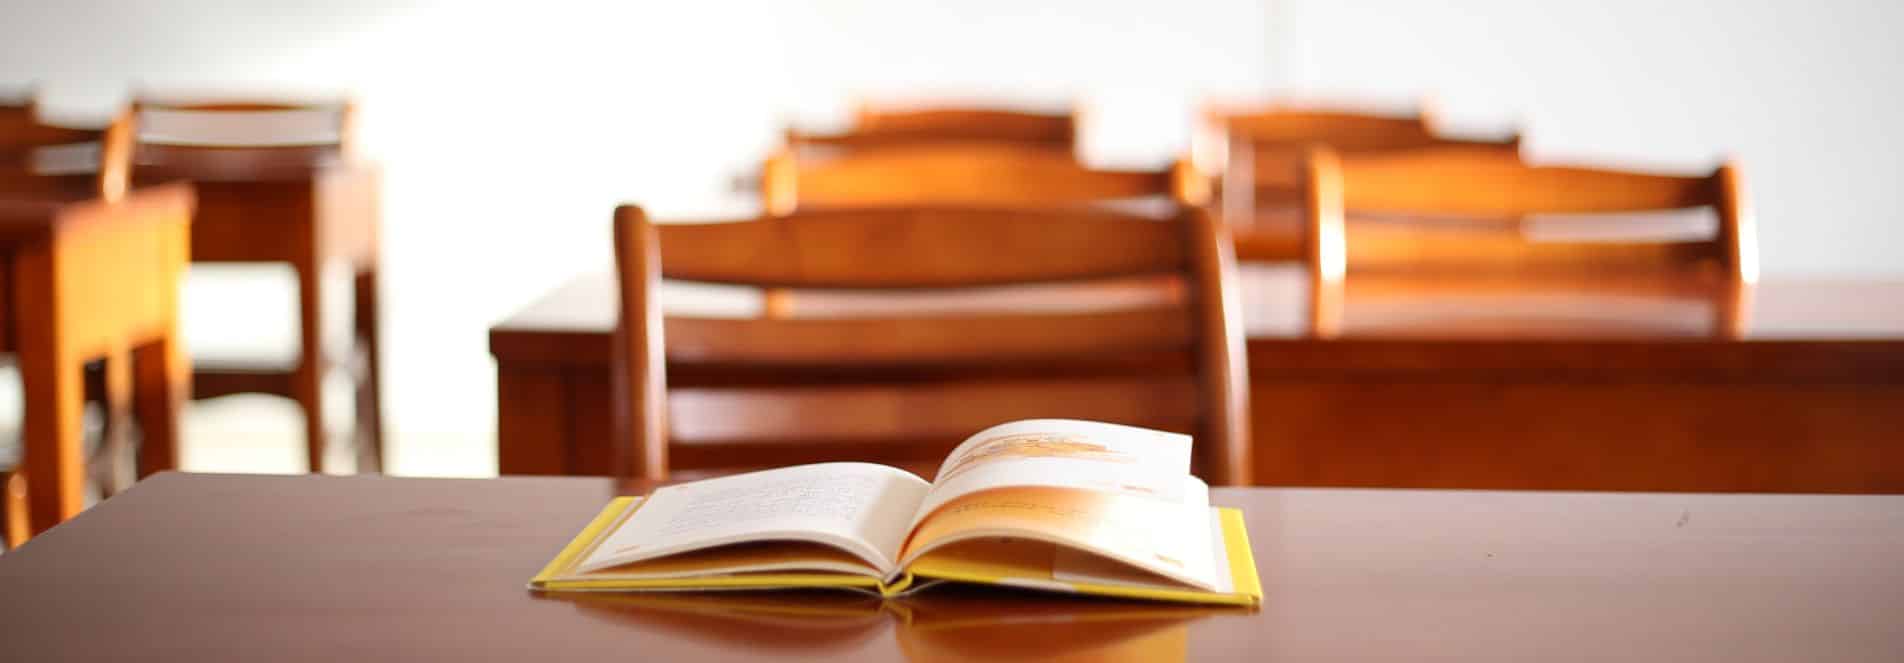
(13, 530)
(532, 432)
(308, 380)
(109, 461)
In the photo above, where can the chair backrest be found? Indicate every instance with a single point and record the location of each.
(1258, 159)
(904, 389)
(959, 174)
(1498, 193)
(36, 154)
(246, 123)
(206, 139)
(880, 127)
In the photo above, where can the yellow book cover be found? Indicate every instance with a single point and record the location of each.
(1049, 505)
(936, 626)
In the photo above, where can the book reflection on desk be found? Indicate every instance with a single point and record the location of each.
(1055, 505)
(968, 624)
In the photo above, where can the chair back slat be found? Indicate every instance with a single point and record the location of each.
(1508, 246)
(1343, 130)
(927, 340)
(1277, 169)
(921, 247)
(902, 414)
(881, 128)
(951, 174)
(968, 124)
(1468, 182)
(245, 123)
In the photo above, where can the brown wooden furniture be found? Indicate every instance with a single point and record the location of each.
(875, 126)
(85, 278)
(249, 567)
(299, 199)
(36, 157)
(1537, 388)
(993, 174)
(960, 174)
(1257, 156)
(41, 160)
(1501, 191)
(904, 389)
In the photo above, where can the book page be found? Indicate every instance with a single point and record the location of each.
(1170, 539)
(861, 508)
(1075, 566)
(1089, 455)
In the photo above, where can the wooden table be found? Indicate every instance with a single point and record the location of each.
(206, 567)
(1633, 387)
(83, 280)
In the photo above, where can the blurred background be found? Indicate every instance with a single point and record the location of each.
(507, 131)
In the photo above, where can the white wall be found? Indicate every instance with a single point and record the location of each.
(509, 131)
(1807, 96)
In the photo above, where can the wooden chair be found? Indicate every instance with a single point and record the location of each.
(87, 278)
(1257, 156)
(891, 127)
(1481, 202)
(987, 175)
(298, 197)
(961, 174)
(44, 166)
(904, 389)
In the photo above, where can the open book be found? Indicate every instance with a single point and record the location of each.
(1050, 504)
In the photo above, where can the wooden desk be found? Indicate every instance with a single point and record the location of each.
(206, 567)
(84, 280)
(1632, 389)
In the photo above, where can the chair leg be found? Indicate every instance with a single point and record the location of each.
(109, 462)
(163, 386)
(308, 380)
(55, 461)
(370, 454)
(13, 522)
(53, 377)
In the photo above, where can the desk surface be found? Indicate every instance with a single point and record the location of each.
(212, 567)
(1796, 330)
(1275, 300)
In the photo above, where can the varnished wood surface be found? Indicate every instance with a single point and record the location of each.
(879, 127)
(211, 568)
(1462, 384)
(936, 377)
(570, 324)
(53, 158)
(91, 279)
(987, 174)
(1459, 183)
